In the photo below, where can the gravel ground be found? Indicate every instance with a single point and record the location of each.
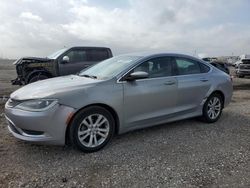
(182, 154)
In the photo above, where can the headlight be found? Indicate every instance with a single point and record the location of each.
(37, 104)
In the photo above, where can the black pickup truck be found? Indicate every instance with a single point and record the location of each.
(63, 62)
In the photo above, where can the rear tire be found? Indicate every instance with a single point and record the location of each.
(212, 108)
(92, 128)
(36, 78)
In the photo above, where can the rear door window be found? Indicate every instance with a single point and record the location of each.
(97, 54)
(204, 68)
(186, 66)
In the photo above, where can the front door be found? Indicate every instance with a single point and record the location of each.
(151, 100)
(77, 62)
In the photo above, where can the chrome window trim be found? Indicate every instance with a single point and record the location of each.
(175, 76)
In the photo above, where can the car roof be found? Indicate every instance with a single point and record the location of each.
(155, 54)
(93, 47)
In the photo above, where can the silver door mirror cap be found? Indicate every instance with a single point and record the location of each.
(65, 59)
(137, 75)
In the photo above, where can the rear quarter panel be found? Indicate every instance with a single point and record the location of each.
(222, 82)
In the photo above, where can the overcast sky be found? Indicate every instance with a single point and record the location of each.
(39, 27)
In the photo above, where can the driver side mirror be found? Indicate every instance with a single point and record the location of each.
(137, 75)
(65, 59)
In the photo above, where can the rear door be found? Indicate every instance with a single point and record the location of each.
(193, 83)
(151, 100)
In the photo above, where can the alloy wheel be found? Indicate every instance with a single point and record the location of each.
(93, 130)
(214, 107)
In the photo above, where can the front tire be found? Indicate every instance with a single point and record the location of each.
(92, 128)
(212, 108)
(37, 78)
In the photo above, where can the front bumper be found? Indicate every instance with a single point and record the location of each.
(17, 81)
(47, 127)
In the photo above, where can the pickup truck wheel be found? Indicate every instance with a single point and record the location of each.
(37, 78)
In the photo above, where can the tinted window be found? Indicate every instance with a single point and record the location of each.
(97, 54)
(186, 66)
(157, 67)
(76, 56)
(204, 68)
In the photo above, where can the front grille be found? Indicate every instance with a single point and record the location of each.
(21, 131)
(31, 132)
(244, 66)
(12, 103)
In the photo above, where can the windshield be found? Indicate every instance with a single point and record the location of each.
(57, 53)
(246, 61)
(109, 68)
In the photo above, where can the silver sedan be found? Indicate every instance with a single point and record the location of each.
(117, 95)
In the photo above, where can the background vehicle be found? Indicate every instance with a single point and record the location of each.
(118, 95)
(243, 69)
(209, 59)
(240, 58)
(222, 66)
(218, 64)
(63, 62)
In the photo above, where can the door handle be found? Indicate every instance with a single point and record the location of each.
(203, 79)
(169, 83)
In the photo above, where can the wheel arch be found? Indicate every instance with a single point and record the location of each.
(221, 94)
(36, 72)
(105, 106)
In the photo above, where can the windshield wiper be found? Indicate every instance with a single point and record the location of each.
(88, 76)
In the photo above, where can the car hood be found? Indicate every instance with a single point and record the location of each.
(31, 59)
(50, 88)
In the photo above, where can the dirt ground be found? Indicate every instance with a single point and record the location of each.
(182, 154)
